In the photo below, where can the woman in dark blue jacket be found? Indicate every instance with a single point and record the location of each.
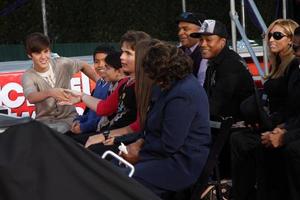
(174, 114)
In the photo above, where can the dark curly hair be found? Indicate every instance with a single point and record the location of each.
(158, 63)
(165, 63)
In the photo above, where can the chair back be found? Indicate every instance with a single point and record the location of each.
(220, 129)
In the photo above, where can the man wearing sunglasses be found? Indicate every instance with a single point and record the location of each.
(189, 23)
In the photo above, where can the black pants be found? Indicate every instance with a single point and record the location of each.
(80, 138)
(244, 145)
(292, 153)
(257, 172)
(97, 148)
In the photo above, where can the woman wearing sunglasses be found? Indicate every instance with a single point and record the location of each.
(246, 170)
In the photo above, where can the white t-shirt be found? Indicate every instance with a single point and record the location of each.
(48, 76)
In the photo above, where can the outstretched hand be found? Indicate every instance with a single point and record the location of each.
(59, 94)
(73, 97)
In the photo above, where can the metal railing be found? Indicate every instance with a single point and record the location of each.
(235, 23)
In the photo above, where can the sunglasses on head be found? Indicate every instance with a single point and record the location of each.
(276, 35)
(296, 47)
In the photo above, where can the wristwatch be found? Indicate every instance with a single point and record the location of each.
(106, 134)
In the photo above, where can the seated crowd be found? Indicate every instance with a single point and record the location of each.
(157, 99)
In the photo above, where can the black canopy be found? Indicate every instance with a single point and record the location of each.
(37, 163)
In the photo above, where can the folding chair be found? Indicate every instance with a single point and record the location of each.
(220, 129)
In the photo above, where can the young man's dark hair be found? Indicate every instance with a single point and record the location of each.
(36, 42)
(103, 49)
(296, 42)
(297, 31)
(132, 37)
(113, 60)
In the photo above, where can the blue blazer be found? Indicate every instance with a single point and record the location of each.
(177, 136)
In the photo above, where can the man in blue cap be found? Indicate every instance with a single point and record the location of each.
(189, 23)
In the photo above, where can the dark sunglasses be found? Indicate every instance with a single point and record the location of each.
(296, 47)
(276, 35)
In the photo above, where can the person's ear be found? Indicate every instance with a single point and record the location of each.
(223, 42)
(29, 56)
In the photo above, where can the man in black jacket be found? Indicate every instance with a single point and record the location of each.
(228, 81)
(189, 23)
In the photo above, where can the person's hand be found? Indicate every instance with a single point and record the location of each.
(59, 94)
(73, 97)
(109, 141)
(265, 138)
(95, 139)
(76, 127)
(133, 151)
(273, 139)
(279, 131)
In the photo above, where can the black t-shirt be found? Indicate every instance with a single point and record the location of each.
(127, 112)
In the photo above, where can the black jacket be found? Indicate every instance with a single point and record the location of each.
(227, 83)
(293, 103)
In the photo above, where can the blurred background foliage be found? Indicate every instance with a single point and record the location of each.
(81, 21)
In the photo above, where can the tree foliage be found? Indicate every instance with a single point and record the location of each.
(106, 20)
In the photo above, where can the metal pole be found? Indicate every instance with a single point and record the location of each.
(284, 9)
(183, 6)
(246, 41)
(243, 14)
(44, 17)
(264, 28)
(265, 57)
(233, 29)
(258, 16)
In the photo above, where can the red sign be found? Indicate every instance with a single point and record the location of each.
(12, 97)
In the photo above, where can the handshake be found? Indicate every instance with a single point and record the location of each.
(66, 96)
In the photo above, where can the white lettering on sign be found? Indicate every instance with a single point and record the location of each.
(75, 84)
(5, 100)
(12, 97)
(85, 84)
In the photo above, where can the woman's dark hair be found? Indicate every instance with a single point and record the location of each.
(143, 84)
(157, 63)
(165, 63)
(297, 31)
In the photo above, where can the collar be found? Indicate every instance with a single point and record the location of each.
(193, 47)
(220, 57)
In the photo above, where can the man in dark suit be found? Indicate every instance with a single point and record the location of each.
(189, 23)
